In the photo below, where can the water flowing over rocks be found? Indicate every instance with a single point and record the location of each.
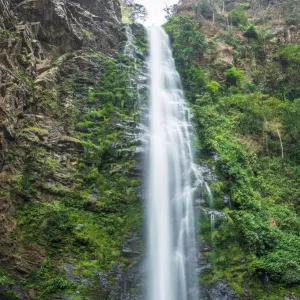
(172, 181)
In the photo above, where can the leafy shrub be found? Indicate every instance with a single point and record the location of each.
(283, 264)
(234, 76)
(238, 17)
(48, 281)
(251, 32)
(190, 42)
(290, 54)
(104, 97)
(213, 87)
(204, 9)
(5, 278)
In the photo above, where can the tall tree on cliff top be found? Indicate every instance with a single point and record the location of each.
(133, 12)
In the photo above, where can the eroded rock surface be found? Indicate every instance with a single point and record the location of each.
(52, 53)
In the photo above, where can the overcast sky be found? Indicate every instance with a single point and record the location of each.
(155, 10)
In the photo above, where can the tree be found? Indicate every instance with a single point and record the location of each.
(170, 11)
(206, 9)
(135, 12)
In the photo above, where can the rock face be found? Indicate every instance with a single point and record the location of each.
(40, 32)
(7, 17)
(69, 25)
(218, 291)
(52, 55)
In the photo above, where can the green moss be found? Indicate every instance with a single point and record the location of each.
(39, 131)
(46, 281)
(83, 218)
(6, 284)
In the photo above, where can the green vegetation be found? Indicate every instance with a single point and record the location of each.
(248, 113)
(251, 32)
(238, 17)
(47, 281)
(241, 78)
(234, 76)
(80, 209)
(7, 281)
(184, 31)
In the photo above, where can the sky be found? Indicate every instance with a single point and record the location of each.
(155, 10)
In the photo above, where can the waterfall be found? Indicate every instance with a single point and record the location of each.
(212, 226)
(130, 49)
(172, 181)
(210, 195)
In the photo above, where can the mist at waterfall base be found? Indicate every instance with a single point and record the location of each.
(171, 181)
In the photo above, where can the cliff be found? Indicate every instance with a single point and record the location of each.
(69, 178)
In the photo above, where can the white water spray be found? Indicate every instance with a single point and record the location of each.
(172, 181)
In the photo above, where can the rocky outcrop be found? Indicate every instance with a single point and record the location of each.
(65, 26)
(51, 54)
(41, 31)
(7, 17)
(218, 291)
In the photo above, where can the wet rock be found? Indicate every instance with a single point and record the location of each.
(69, 269)
(291, 297)
(204, 247)
(81, 23)
(218, 291)
(212, 212)
(226, 199)
(207, 173)
(94, 194)
(125, 282)
(30, 257)
(243, 260)
(203, 267)
(215, 157)
(132, 247)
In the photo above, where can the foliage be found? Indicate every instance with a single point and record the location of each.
(243, 117)
(246, 175)
(133, 12)
(213, 87)
(205, 9)
(238, 17)
(251, 32)
(189, 45)
(290, 62)
(80, 210)
(234, 76)
(291, 12)
(47, 281)
(290, 54)
(5, 278)
(6, 283)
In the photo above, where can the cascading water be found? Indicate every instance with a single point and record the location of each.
(172, 181)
